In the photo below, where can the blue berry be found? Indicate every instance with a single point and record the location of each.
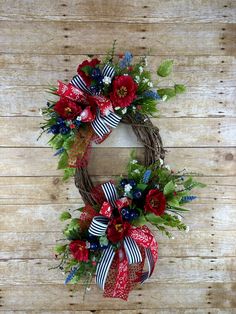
(94, 246)
(96, 73)
(77, 123)
(137, 194)
(54, 129)
(64, 130)
(124, 211)
(60, 121)
(123, 182)
(134, 215)
(132, 182)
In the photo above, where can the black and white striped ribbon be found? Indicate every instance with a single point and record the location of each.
(100, 123)
(98, 226)
(132, 251)
(78, 82)
(108, 71)
(151, 265)
(104, 266)
(110, 193)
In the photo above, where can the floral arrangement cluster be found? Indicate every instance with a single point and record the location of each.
(112, 239)
(96, 99)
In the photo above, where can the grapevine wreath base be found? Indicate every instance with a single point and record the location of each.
(109, 236)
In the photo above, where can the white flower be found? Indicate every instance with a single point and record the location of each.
(167, 167)
(164, 98)
(117, 108)
(106, 80)
(40, 112)
(172, 238)
(124, 110)
(128, 188)
(141, 69)
(137, 79)
(145, 80)
(134, 161)
(161, 161)
(78, 118)
(136, 171)
(150, 84)
(187, 229)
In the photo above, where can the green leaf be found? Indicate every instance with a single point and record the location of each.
(165, 68)
(180, 88)
(68, 172)
(142, 186)
(169, 188)
(86, 69)
(65, 216)
(154, 219)
(166, 93)
(69, 142)
(59, 249)
(63, 161)
(181, 209)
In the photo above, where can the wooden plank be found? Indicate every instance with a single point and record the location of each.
(44, 218)
(40, 244)
(168, 270)
(49, 38)
(175, 132)
(40, 161)
(135, 11)
(149, 296)
(196, 102)
(38, 70)
(52, 190)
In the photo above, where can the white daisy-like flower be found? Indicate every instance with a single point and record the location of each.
(117, 108)
(164, 98)
(145, 80)
(172, 238)
(137, 171)
(128, 188)
(140, 69)
(150, 84)
(161, 161)
(78, 118)
(106, 80)
(137, 79)
(134, 161)
(124, 110)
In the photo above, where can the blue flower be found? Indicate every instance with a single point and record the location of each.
(152, 94)
(186, 199)
(146, 176)
(127, 59)
(71, 275)
(59, 151)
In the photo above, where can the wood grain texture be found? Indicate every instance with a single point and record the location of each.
(43, 41)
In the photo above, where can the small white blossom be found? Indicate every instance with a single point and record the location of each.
(150, 84)
(161, 161)
(145, 80)
(128, 188)
(172, 238)
(141, 69)
(88, 288)
(137, 79)
(78, 118)
(187, 229)
(40, 112)
(117, 108)
(134, 161)
(124, 110)
(164, 98)
(167, 167)
(106, 80)
(136, 171)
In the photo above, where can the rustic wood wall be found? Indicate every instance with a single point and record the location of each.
(42, 41)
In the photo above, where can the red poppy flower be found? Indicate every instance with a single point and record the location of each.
(67, 109)
(155, 202)
(87, 79)
(124, 91)
(117, 229)
(79, 251)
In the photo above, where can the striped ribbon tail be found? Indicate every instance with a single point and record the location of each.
(100, 124)
(108, 71)
(151, 265)
(110, 193)
(104, 266)
(78, 82)
(132, 251)
(98, 226)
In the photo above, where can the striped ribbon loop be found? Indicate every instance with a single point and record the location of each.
(104, 266)
(108, 71)
(132, 251)
(78, 82)
(98, 226)
(110, 193)
(100, 123)
(151, 265)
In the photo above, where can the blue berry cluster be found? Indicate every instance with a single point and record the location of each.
(129, 214)
(59, 127)
(97, 83)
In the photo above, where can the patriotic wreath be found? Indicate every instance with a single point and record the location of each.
(108, 237)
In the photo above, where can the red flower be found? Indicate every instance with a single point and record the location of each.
(67, 109)
(124, 90)
(79, 251)
(85, 76)
(155, 202)
(116, 230)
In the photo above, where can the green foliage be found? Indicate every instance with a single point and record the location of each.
(169, 188)
(180, 88)
(65, 216)
(165, 68)
(63, 161)
(166, 93)
(60, 249)
(68, 172)
(72, 230)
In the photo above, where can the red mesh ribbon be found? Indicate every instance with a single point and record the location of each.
(86, 217)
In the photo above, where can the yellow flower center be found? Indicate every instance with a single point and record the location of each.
(68, 110)
(122, 92)
(118, 227)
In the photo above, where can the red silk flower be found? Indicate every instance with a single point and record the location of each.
(67, 109)
(123, 91)
(155, 202)
(79, 251)
(117, 230)
(85, 76)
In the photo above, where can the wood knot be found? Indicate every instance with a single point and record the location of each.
(229, 156)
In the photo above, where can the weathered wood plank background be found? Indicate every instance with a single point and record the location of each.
(42, 41)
